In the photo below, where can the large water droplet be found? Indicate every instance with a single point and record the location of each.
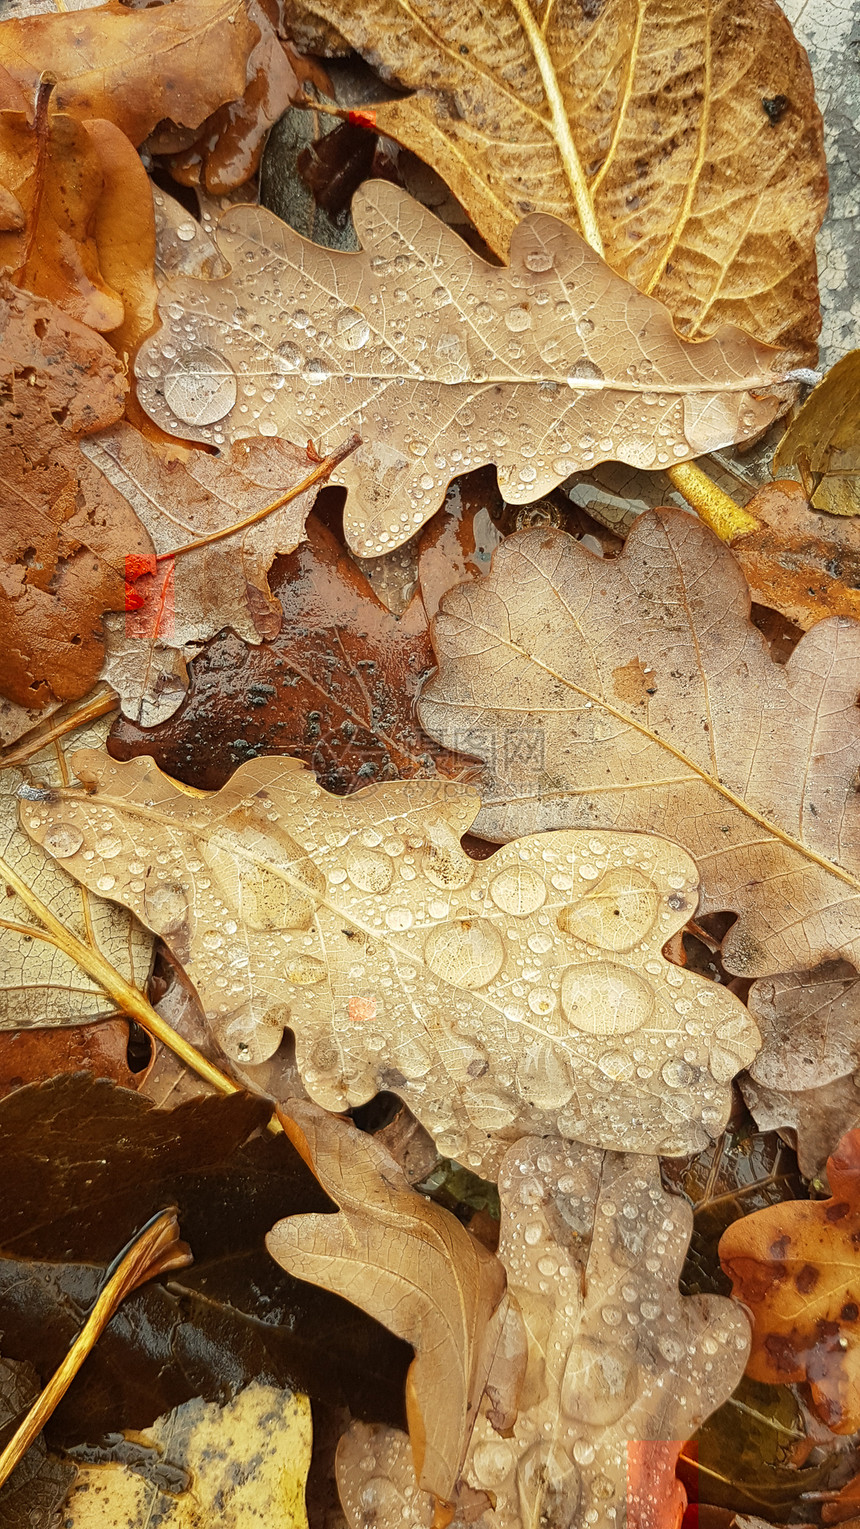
(200, 387)
(518, 319)
(539, 260)
(368, 871)
(617, 913)
(304, 971)
(601, 998)
(545, 1078)
(62, 840)
(351, 329)
(466, 952)
(518, 890)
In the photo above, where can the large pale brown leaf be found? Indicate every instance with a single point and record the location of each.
(527, 991)
(619, 1364)
(65, 533)
(684, 135)
(412, 1265)
(653, 703)
(441, 361)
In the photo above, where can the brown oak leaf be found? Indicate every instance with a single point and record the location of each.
(442, 361)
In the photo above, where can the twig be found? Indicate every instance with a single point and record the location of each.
(41, 129)
(319, 474)
(717, 509)
(153, 1251)
(97, 704)
(128, 998)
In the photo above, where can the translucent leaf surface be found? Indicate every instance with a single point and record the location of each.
(527, 991)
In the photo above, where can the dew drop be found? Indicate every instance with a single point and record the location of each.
(351, 329)
(539, 260)
(63, 840)
(518, 890)
(601, 998)
(517, 319)
(200, 387)
(466, 952)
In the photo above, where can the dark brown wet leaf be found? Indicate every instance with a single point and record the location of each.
(85, 1163)
(32, 1496)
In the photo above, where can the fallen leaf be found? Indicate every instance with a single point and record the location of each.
(65, 533)
(243, 1464)
(148, 674)
(588, 1240)
(40, 984)
(823, 440)
(32, 1056)
(336, 686)
(85, 1164)
(814, 1117)
(796, 1267)
(442, 361)
(136, 67)
(227, 151)
(524, 991)
(801, 562)
(85, 238)
(538, 663)
(686, 140)
(413, 1266)
(36, 1490)
(183, 497)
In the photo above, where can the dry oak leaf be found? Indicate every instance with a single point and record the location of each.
(414, 1267)
(796, 1266)
(805, 1076)
(65, 534)
(823, 440)
(135, 67)
(40, 984)
(527, 991)
(683, 136)
(336, 687)
(617, 1359)
(628, 682)
(183, 496)
(84, 236)
(441, 361)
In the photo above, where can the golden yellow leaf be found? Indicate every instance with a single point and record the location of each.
(683, 138)
(652, 703)
(823, 440)
(617, 1359)
(243, 1465)
(441, 361)
(414, 1267)
(524, 992)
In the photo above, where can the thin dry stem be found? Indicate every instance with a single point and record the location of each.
(97, 704)
(126, 997)
(318, 475)
(156, 1249)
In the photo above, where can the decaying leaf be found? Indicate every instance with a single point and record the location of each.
(149, 675)
(823, 440)
(593, 1248)
(413, 1266)
(183, 497)
(527, 991)
(796, 1266)
(37, 1488)
(687, 138)
(85, 1165)
(40, 984)
(64, 533)
(441, 361)
(801, 562)
(32, 1056)
(631, 679)
(135, 67)
(813, 1117)
(336, 687)
(243, 1465)
(85, 234)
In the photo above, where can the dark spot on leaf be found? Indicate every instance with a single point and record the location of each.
(775, 106)
(807, 1279)
(837, 1212)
